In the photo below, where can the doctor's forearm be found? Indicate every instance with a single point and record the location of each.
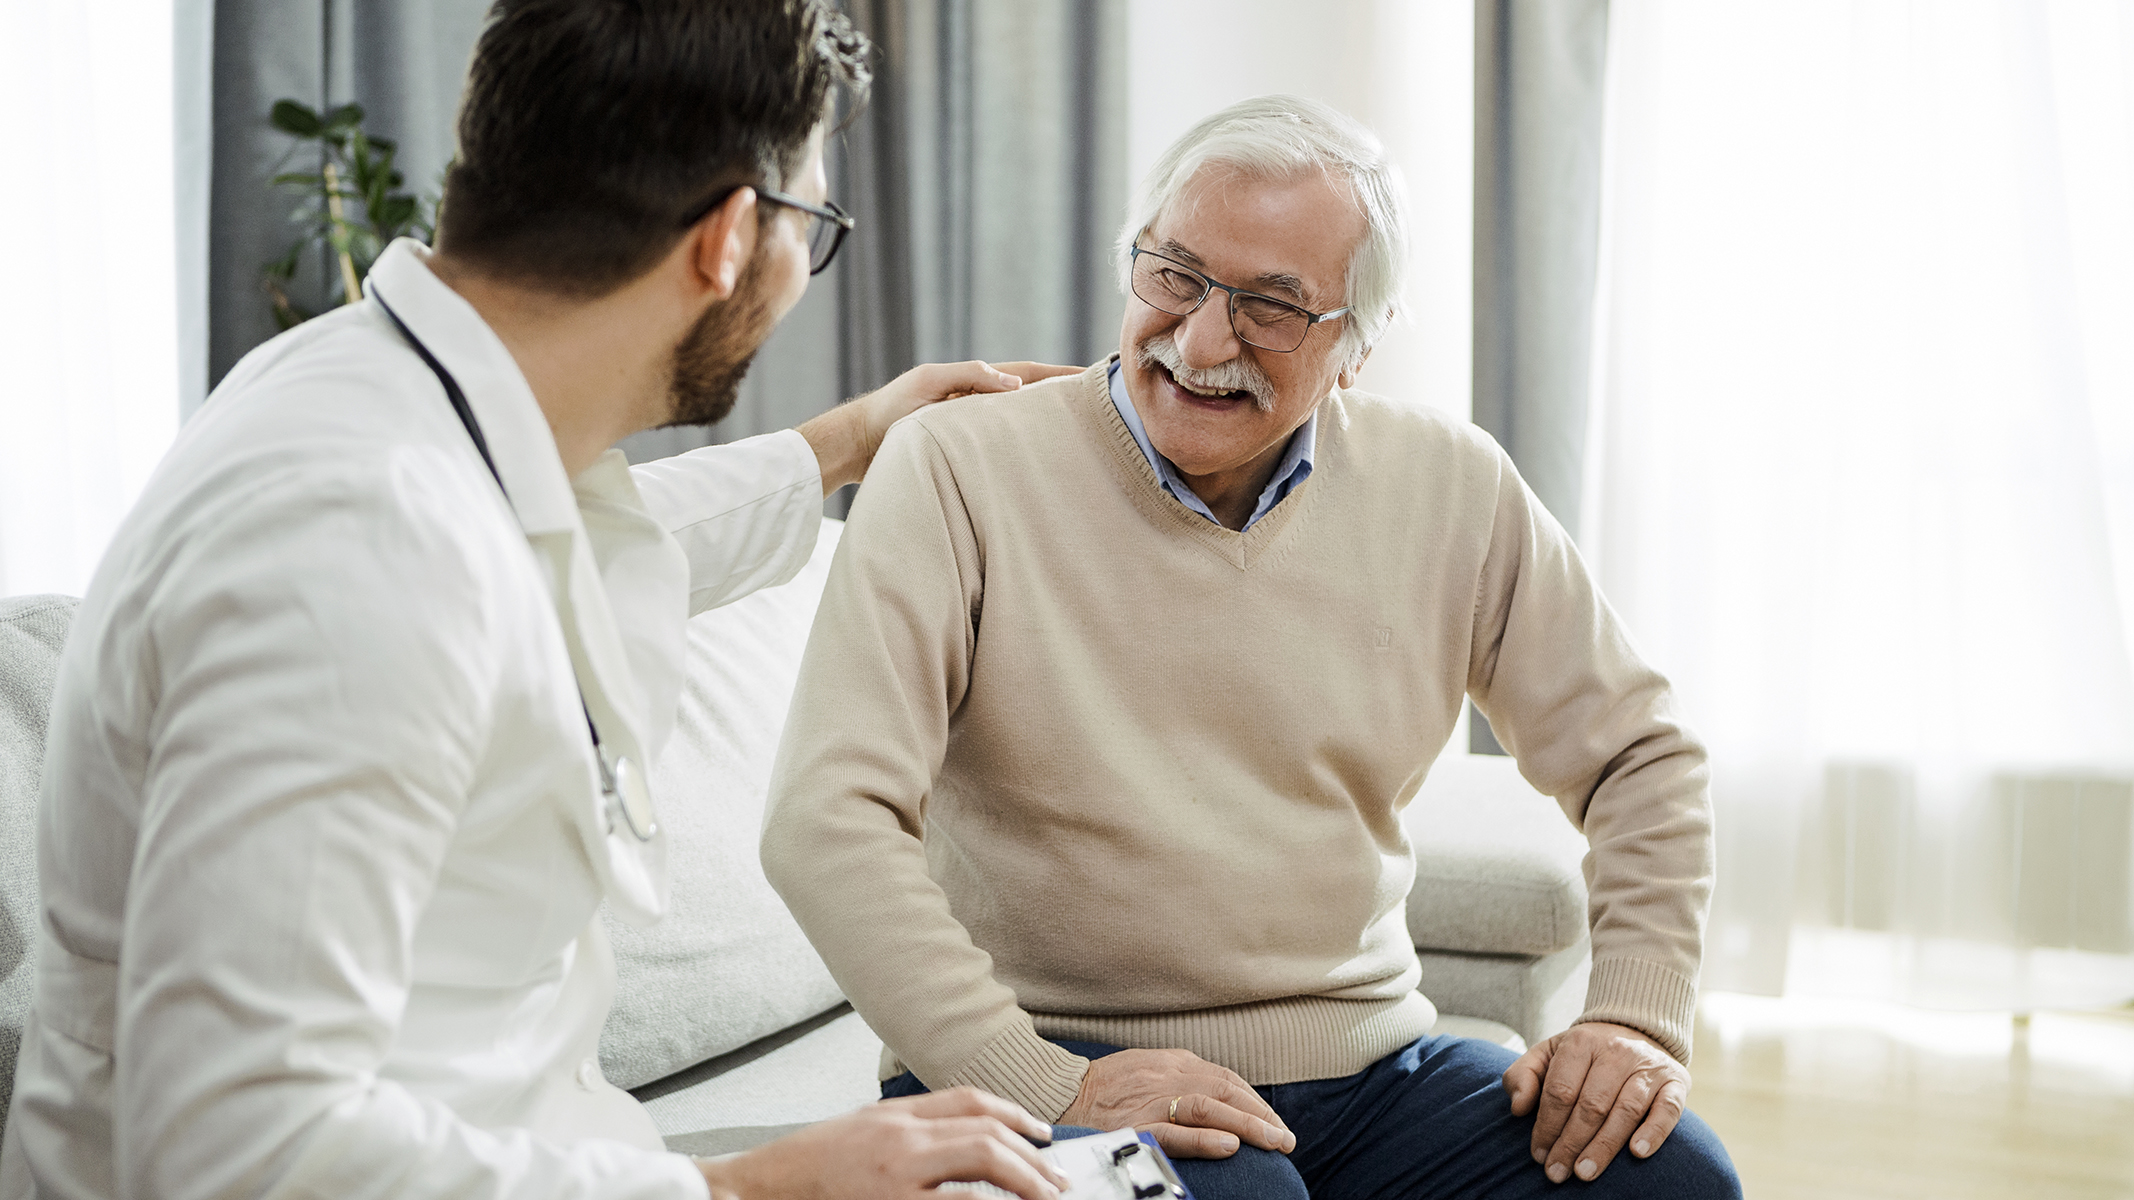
(846, 437)
(839, 439)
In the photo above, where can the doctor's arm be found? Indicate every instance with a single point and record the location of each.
(746, 512)
(314, 743)
(846, 438)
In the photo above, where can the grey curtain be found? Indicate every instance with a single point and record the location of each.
(403, 60)
(1539, 67)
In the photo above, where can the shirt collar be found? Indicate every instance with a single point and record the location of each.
(1294, 467)
(503, 403)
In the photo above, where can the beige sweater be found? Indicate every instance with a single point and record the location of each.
(1068, 759)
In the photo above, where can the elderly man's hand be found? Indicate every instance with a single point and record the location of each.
(1599, 1086)
(1195, 1108)
(846, 437)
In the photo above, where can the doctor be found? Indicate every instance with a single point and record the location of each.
(348, 744)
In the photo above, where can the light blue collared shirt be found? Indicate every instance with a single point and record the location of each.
(1294, 468)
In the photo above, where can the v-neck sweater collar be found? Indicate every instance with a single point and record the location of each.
(1293, 467)
(1138, 478)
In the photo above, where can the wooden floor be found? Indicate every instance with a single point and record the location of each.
(1837, 1100)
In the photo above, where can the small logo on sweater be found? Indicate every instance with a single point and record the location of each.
(1382, 638)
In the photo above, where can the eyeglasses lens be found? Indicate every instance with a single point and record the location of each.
(1268, 323)
(1165, 285)
(1256, 320)
(822, 241)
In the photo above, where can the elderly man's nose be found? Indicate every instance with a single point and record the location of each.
(1205, 337)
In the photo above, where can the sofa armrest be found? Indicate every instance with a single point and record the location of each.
(1497, 866)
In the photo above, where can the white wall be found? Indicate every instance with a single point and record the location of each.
(1403, 67)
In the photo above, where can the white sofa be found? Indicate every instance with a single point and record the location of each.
(727, 1025)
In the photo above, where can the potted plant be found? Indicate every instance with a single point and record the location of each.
(352, 203)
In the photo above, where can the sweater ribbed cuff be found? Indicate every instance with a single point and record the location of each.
(1025, 1068)
(1654, 1000)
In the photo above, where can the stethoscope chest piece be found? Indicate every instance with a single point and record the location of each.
(631, 795)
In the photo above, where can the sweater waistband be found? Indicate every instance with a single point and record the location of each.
(1276, 1041)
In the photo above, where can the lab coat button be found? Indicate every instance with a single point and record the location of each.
(589, 1074)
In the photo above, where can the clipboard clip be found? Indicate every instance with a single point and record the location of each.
(1147, 1175)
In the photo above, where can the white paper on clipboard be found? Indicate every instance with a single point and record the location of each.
(1121, 1165)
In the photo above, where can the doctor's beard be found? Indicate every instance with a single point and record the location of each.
(712, 359)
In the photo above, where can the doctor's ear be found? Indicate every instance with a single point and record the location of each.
(721, 243)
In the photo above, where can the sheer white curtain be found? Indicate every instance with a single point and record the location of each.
(1861, 475)
(89, 373)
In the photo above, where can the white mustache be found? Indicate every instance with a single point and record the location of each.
(1236, 375)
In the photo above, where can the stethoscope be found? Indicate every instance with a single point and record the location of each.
(622, 782)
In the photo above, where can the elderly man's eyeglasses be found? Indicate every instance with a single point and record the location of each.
(827, 223)
(1171, 286)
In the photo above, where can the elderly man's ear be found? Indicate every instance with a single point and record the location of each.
(1348, 373)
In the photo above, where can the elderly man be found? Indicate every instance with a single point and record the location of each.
(1090, 795)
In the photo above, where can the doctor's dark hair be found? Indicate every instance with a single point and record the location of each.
(591, 128)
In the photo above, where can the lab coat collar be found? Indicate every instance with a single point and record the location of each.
(632, 871)
(511, 419)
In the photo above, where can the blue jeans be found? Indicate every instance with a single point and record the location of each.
(1429, 1120)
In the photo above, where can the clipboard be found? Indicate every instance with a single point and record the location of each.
(1121, 1165)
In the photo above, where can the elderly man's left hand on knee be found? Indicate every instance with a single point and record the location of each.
(1599, 1087)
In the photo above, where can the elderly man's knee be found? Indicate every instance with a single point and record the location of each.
(1694, 1165)
(1250, 1174)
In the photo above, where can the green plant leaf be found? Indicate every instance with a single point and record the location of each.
(296, 118)
(394, 213)
(365, 175)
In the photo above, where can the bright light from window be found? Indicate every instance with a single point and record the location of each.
(88, 319)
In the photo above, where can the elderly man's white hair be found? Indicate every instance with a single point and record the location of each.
(1279, 138)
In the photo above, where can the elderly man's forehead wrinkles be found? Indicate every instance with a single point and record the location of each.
(1173, 248)
(1279, 281)
(1272, 282)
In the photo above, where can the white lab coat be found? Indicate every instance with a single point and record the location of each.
(322, 843)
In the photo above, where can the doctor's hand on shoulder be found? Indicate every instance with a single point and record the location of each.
(896, 1149)
(846, 437)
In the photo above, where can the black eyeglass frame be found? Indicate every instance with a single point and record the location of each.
(828, 210)
(1208, 287)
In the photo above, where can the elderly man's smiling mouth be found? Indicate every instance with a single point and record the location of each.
(1224, 387)
(1219, 398)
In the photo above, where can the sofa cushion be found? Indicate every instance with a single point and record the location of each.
(33, 629)
(727, 965)
(1497, 867)
(818, 1070)
(1536, 996)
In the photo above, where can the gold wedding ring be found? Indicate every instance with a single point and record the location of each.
(1174, 1109)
